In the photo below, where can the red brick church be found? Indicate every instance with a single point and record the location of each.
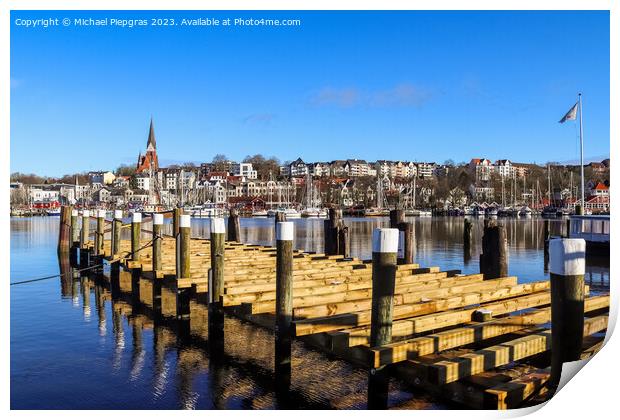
(149, 160)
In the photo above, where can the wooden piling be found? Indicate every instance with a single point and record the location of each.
(494, 257)
(64, 234)
(384, 255)
(100, 232)
(117, 224)
(176, 215)
(467, 232)
(85, 229)
(216, 285)
(234, 228)
(183, 244)
(384, 249)
(396, 216)
(567, 267)
(136, 222)
(335, 238)
(405, 242)
(158, 221)
(284, 303)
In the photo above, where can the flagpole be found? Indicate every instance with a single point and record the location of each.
(583, 203)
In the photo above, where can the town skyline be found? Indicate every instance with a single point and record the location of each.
(406, 84)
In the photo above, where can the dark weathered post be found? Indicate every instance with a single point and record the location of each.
(183, 269)
(100, 232)
(405, 243)
(158, 221)
(216, 285)
(75, 228)
(117, 226)
(136, 222)
(85, 229)
(176, 215)
(64, 234)
(567, 228)
(494, 257)
(384, 251)
(284, 303)
(234, 228)
(183, 244)
(85, 233)
(396, 216)
(467, 228)
(343, 242)
(567, 267)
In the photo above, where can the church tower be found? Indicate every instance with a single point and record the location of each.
(149, 160)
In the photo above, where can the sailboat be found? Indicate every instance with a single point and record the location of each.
(311, 209)
(378, 210)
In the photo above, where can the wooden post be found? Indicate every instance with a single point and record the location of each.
(136, 221)
(467, 227)
(396, 216)
(216, 286)
(384, 252)
(158, 221)
(75, 228)
(332, 237)
(567, 228)
(176, 215)
(85, 229)
(280, 217)
(406, 243)
(64, 234)
(344, 242)
(567, 267)
(183, 244)
(100, 232)
(494, 257)
(284, 303)
(234, 228)
(84, 236)
(546, 236)
(117, 226)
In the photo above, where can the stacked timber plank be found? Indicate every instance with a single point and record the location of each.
(483, 343)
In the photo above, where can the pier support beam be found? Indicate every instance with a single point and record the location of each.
(183, 266)
(284, 304)
(100, 232)
(176, 216)
(406, 242)
(117, 225)
(384, 252)
(396, 216)
(234, 228)
(85, 233)
(335, 234)
(136, 222)
(75, 237)
(64, 233)
(567, 267)
(158, 221)
(494, 257)
(216, 287)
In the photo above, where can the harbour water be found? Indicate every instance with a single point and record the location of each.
(71, 348)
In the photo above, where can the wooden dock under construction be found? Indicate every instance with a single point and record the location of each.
(475, 341)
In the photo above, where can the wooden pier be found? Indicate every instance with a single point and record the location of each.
(476, 341)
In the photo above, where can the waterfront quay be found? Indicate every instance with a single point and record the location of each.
(478, 340)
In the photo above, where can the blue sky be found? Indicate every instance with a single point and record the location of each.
(426, 86)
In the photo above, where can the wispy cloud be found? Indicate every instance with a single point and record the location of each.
(404, 94)
(264, 118)
(401, 95)
(345, 97)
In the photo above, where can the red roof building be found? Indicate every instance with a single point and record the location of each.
(149, 161)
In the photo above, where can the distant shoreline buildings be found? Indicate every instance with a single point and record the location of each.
(347, 182)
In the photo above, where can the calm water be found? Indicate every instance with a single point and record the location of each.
(72, 347)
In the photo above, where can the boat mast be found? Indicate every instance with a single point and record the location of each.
(549, 183)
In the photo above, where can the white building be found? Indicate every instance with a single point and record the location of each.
(244, 169)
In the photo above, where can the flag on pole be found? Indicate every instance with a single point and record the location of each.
(571, 114)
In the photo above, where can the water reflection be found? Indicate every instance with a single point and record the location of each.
(142, 362)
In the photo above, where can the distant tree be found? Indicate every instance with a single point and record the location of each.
(449, 162)
(125, 170)
(220, 162)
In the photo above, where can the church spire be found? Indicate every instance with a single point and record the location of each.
(150, 144)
